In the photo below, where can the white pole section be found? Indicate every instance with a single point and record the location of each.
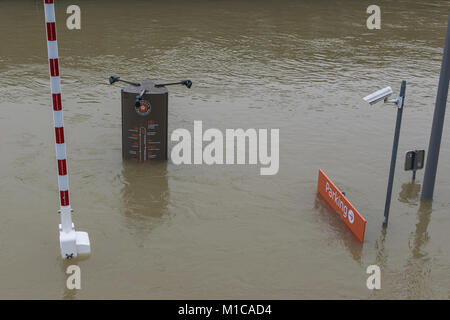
(72, 243)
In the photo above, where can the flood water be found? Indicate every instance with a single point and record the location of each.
(224, 231)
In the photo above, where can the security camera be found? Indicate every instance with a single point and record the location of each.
(379, 95)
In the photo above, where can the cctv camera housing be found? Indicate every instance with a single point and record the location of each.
(379, 95)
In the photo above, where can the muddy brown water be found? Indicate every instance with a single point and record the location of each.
(168, 231)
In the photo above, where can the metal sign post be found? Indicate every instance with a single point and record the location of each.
(414, 160)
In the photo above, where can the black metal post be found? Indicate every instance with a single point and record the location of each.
(394, 152)
(438, 122)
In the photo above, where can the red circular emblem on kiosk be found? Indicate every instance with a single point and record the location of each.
(144, 109)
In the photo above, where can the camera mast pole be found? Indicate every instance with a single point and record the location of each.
(399, 103)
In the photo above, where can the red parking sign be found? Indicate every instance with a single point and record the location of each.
(339, 203)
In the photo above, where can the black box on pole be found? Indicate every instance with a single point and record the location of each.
(144, 122)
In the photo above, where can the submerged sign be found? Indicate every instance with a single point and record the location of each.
(336, 199)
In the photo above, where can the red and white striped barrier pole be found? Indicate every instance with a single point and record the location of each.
(72, 243)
